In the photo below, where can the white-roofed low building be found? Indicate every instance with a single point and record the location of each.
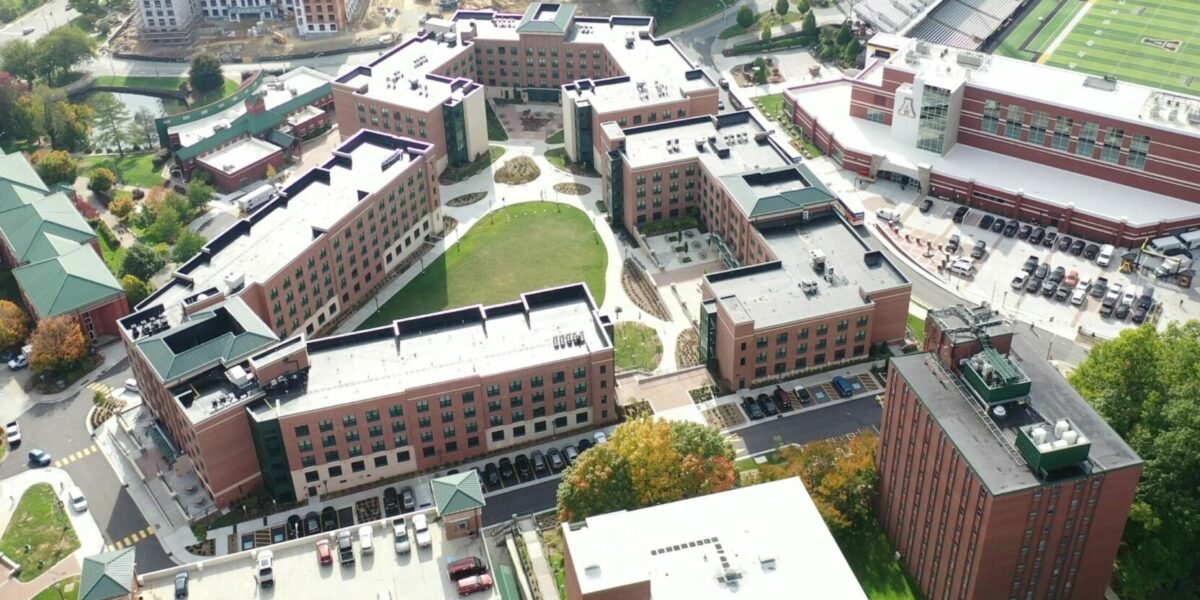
(710, 547)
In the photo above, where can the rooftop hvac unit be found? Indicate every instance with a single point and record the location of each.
(235, 281)
(629, 38)
(970, 59)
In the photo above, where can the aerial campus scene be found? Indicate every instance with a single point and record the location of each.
(765, 299)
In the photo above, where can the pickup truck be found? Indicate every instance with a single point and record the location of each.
(345, 548)
(1113, 295)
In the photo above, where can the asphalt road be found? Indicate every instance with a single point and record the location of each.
(42, 19)
(60, 429)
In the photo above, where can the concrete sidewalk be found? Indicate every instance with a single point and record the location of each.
(537, 557)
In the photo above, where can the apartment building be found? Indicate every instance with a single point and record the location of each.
(997, 480)
(433, 86)
(1029, 141)
(315, 18)
(168, 22)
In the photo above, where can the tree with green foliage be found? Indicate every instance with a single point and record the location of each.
(109, 116)
(802, 6)
(839, 474)
(766, 34)
(166, 226)
(15, 107)
(1144, 384)
(93, 9)
(781, 7)
(199, 194)
(61, 50)
(101, 180)
(142, 262)
(205, 73)
(55, 166)
(745, 17)
(136, 290)
(844, 35)
(646, 463)
(68, 125)
(121, 207)
(187, 244)
(810, 25)
(19, 58)
(143, 129)
(761, 70)
(851, 50)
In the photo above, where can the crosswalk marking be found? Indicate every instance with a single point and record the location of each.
(62, 462)
(100, 388)
(130, 539)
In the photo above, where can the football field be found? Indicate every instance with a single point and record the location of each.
(1152, 42)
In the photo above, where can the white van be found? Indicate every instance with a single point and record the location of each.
(963, 266)
(887, 215)
(1105, 255)
(1166, 245)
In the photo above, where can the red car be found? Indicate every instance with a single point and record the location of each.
(478, 583)
(324, 554)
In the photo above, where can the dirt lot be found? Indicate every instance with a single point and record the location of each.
(586, 7)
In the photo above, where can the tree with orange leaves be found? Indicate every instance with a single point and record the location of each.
(58, 346)
(14, 324)
(838, 473)
(646, 463)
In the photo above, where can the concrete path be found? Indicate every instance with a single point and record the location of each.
(542, 573)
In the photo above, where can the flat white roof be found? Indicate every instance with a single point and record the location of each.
(239, 155)
(1043, 83)
(694, 548)
(829, 104)
(399, 77)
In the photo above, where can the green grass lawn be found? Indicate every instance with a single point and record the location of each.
(638, 346)
(770, 105)
(496, 132)
(70, 590)
(763, 19)
(688, 12)
(520, 248)
(456, 174)
(230, 87)
(558, 157)
(1014, 43)
(1111, 40)
(113, 257)
(153, 83)
(556, 138)
(134, 169)
(872, 559)
(41, 523)
(918, 326)
(552, 544)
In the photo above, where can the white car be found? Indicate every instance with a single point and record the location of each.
(265, 573)
(132, 386)
(421, 528)
(13, 432)
(400, 535)
(887, 215)
(75, 497)
(364, 540)
(600, 437)
(1078, 296)
(18, 363)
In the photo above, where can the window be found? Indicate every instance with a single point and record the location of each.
(331, 456)
(422, 406)
(1086, 144)
(1037, 127)
(306, 445)
(400, 441)
(352, 435)
(325, 425)
(1139, 147)
(991, 116)
(375, 431)
(396, 411)
(424, 422)
(1014, 122)
(445, 401)
(493, 390)
(358, 466)
(381, 461)
(328, 441)
(349, 420)
(398, 426)
(372, 416)
(536, 381)
(335, 471)
(403, 456)
(1062, 133)
(498, 436)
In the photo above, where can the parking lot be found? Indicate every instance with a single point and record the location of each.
(925, 236)
(420, 573)
(790, 396)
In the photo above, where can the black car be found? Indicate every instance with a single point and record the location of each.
(1091, 251)
(1106, 310)
(1011, 229)
(181, 584)
(1058, 274)
(1031, 263)
(1025, 232)
(986, 222)
(952, 245)
(1122, 311)
(926, 204)
(507, 473)
(391, 503)
(1048, 241)
(1042, 271)
(491, 475)
(524, 469)
(1037, 236)
(312, 523)
(765, 403)
(752, 410)
(1033, 285)
(584, 444)
(998, 226)
(1077, 247)
(961, 214)
(979, 250)
(1048, 288)
(1144, 304)
(1062, 293)
(1064, 243)
(1099, 287)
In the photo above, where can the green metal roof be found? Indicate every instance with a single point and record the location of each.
(807, 191)
(457, 493)
(254, 124)
(15, 168)
(64, 284)
(223, 333)
(108, 575)
(506, 583)
(534, 20)
(280, 138)
(27, 227)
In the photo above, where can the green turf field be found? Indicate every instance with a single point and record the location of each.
(1114, 39)
(1038, 29)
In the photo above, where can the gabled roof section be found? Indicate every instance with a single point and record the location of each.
(107, 575)
(457, 493)
(15, 168)
(544, 17)
(26, 227)
(226, 332)
(64, 284)
(774, 191)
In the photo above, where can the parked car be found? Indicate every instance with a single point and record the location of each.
(76, 499)
(39, 458)
(752, 409)
(783, 400)
(131, 385)
(539, 461)
(1099, 287)
(1077, 247)
(524, 469)
(887, 215)
(1037, 236)
(1064, 243)
(584, 444)
(507, 473)
(979, 250)
(465, 567)
(555, 458)
(400, 535)
(18, 363)
(1121, 312)
(408, 500)
(952, 245)
(1072, 279)
(181, 584)
(1085, 284)
(1025, 232)
(1144, 304)
(1091, 250)
(1113, 295)
(1018, 282)
(961, 214)
(1031, 263)
(1034, 285)
(1050, 238)
(421, 530)
(765, 403)
(477, 583)
(324, 554)
(724, 83)
(345, 548)
(12, 432)
(1042, 271)
(1048, 288)
(1063, 292)
(999, 225)
(986, 222)
(843, 386)
(1079, 296)
(491, 475)
(312, 523)
(600, 437)
(391, 502)
(802, 394)
(1058, 274)
(28, 29)
(720, 105)
(366, 545)
(1010, 230)
(1105, 255)
(926, 204)
(570, 454)
(265, 573)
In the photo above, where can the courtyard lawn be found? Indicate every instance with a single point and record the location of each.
(134, 169)
(113, 257)
(230, 87)
(521, 248)
(152, 83)
(454, 175)
(873, 561)
(917, 324)
(496, 132)
(558, 157)
(39, 522)
(689, 11)
(770, 105)
(69, 586)
(638, 347)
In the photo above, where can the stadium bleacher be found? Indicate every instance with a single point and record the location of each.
(964, 23)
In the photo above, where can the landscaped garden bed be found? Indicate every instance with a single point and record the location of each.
(518, 171)
(558, 157)
(466, 199)
(572, 189)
